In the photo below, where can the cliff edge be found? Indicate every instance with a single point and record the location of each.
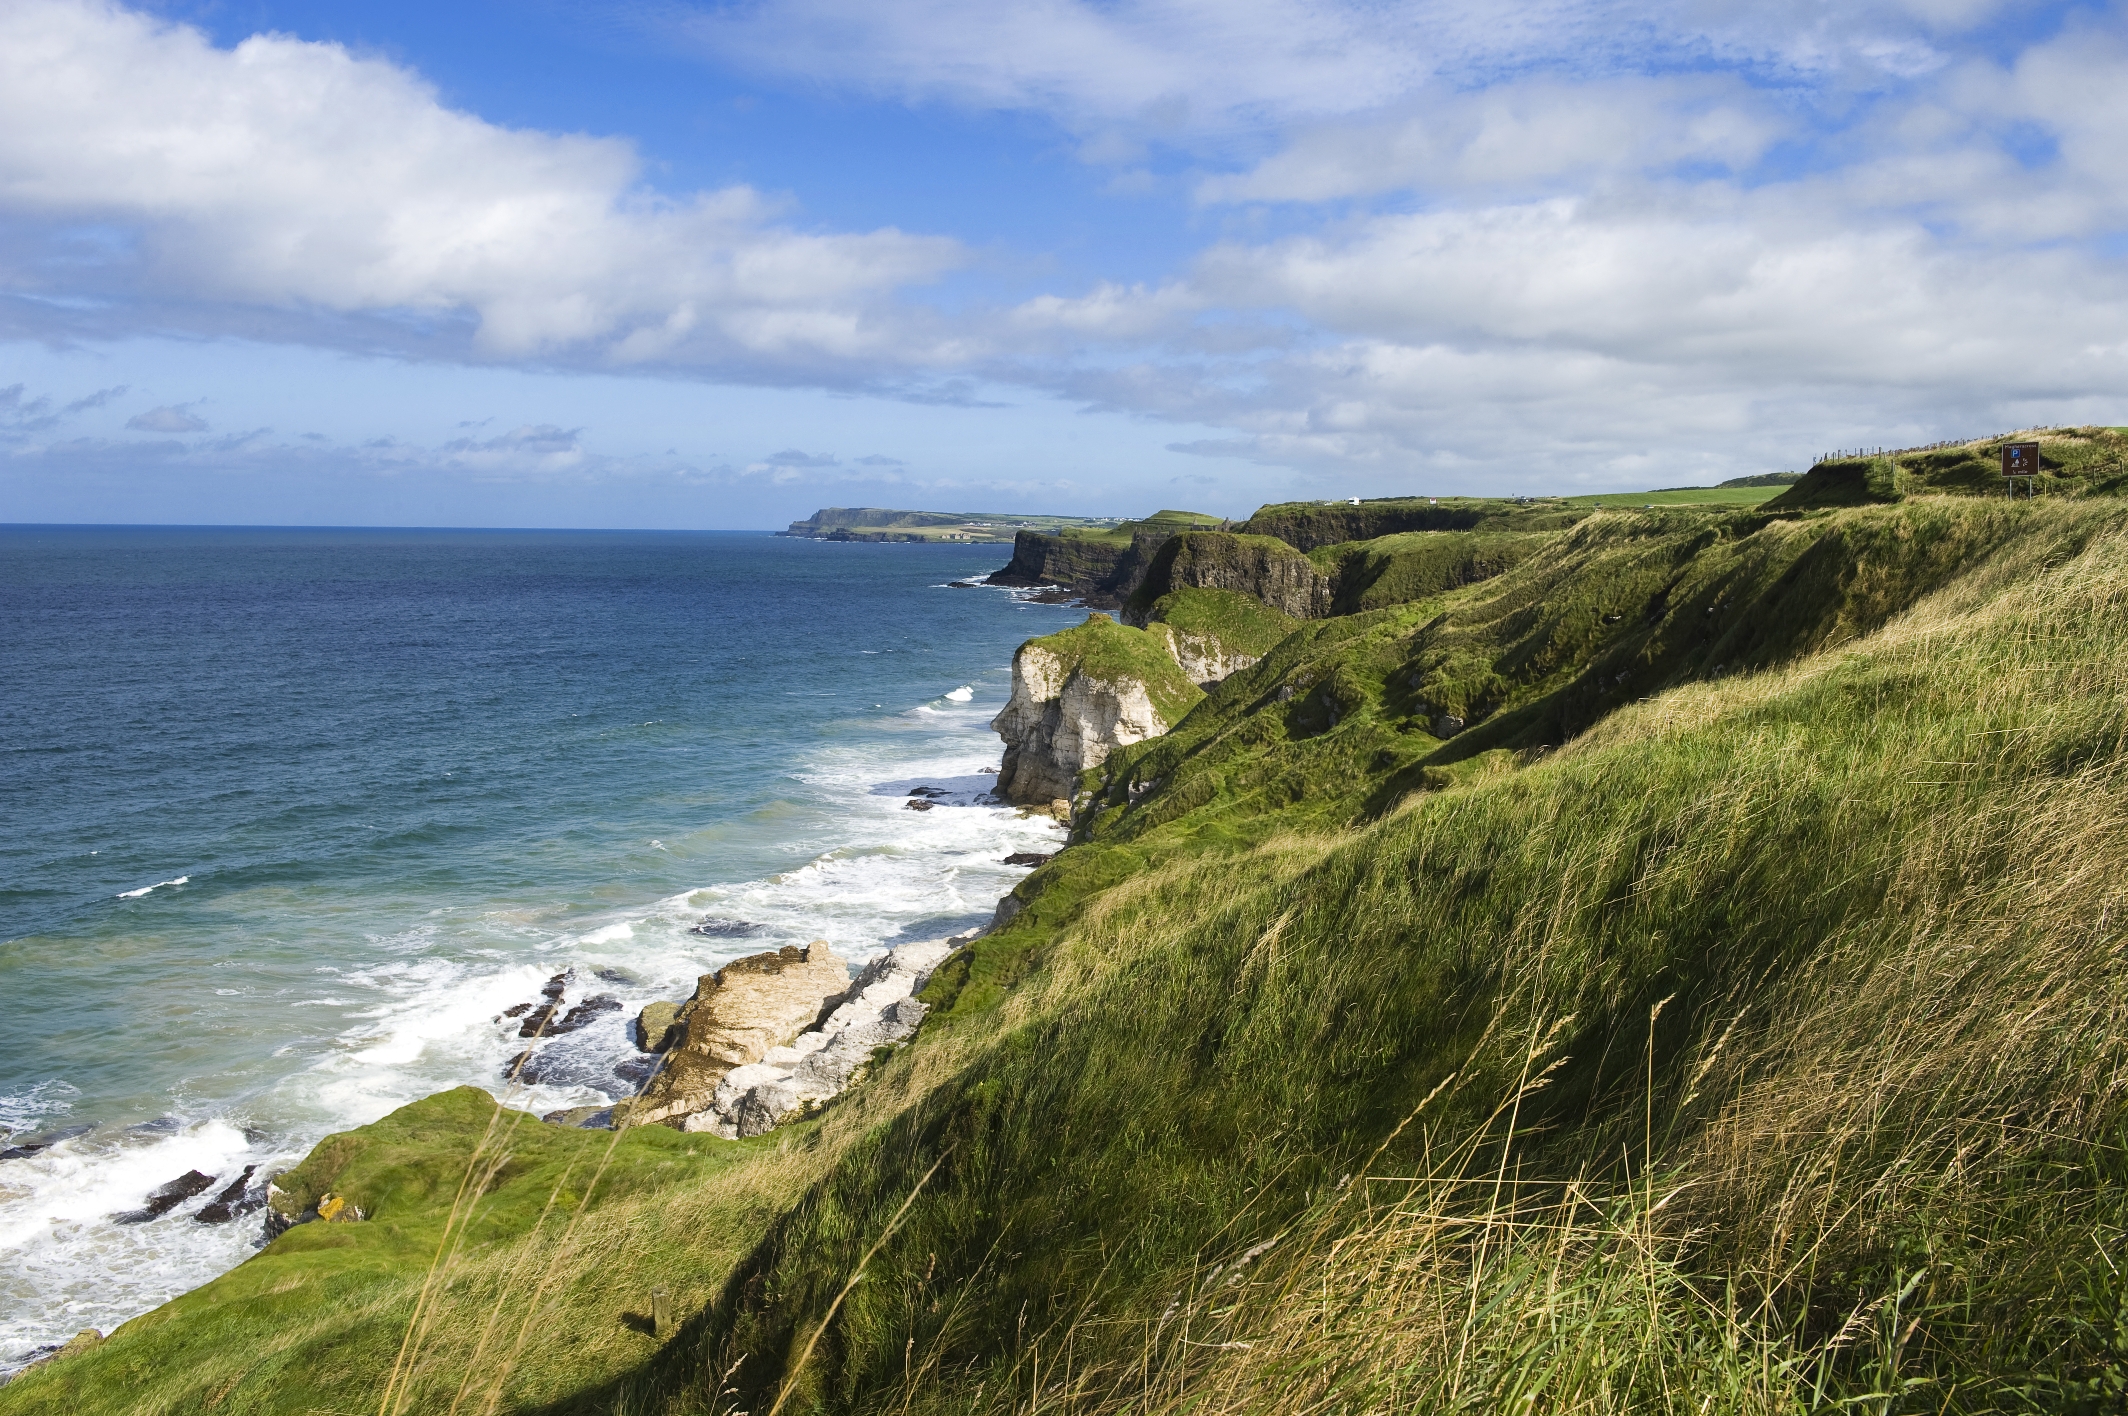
(1078, 696)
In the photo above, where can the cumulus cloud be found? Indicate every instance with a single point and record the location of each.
(1578, 240)
(168, 419)
(285, 175)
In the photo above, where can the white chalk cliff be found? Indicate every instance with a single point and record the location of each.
(1061, 721)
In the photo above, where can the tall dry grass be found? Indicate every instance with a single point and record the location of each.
(1798, 1078)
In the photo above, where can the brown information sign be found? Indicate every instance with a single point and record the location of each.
(2020, 459)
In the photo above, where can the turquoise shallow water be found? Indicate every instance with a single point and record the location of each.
(404, 777)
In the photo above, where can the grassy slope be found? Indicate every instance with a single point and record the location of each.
(1227, 995)
(1395, 570)
(1792, 859)
(1679, 496)
(1242, 623)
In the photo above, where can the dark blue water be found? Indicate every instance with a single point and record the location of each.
(403, 777)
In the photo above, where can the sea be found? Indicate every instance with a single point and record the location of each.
(289, 818)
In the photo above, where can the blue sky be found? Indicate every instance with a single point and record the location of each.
(714, 265)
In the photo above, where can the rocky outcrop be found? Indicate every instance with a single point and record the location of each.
(1262, 567)
(1099, 570)
(1102, 569)
(735, 1016)
(789, 1081)
(1078, 696)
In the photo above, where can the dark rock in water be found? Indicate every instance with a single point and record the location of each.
(512, 1069)
(168, 1198)
(160, 1126)
(917, 804)
(536, 1021)
(556, 985)
(635, 1070)
(930, 792)
(538, 1068)
(23, 1147)
(1029, 858)
(991, 770)
(620, 976)
(728, 928)
(517, 1010)
(232, 1202)
(585, 1013)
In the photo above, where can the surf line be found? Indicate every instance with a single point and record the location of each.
(149, 889)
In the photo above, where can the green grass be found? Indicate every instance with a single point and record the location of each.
(1678, 496)
(1239, 624)
(1805, 876)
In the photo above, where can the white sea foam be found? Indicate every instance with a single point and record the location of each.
(963, 694)
(151, 889)
(65, 1265)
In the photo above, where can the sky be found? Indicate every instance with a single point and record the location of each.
(678, 263)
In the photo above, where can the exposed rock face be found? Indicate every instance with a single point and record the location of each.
(1061, 721)
(821, 1062)
(1307, 525)
(1260, 567)
(1101, 571)
(736, 1015)
(1204, 657)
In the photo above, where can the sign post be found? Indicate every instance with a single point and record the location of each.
(2020, 459)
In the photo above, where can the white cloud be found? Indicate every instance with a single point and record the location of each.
(296, 176)
(167, 419)
(1521, 135)
(1167, 69)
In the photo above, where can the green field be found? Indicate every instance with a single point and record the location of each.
(1679, 496)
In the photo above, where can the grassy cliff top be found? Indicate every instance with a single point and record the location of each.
(1241, 623)
(960, 525)
(1116, 653)
(1120, 533)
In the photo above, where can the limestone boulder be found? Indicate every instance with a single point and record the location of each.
(653, 1026)
(823, 1061)
(735, 1016)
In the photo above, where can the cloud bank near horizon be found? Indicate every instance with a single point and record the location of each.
(1552, 245)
